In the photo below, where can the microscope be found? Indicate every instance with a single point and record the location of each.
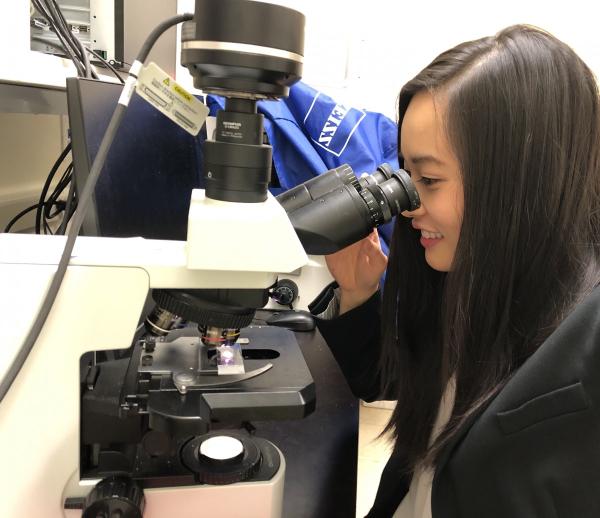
(123, 412)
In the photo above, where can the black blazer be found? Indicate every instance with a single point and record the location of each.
(533, 452)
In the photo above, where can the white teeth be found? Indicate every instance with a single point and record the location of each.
(431, 235)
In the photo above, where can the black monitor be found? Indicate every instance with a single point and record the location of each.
(145, 186)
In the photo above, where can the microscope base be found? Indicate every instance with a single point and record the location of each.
(249, 499)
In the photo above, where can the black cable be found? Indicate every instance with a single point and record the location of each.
(98, 56)
(61, 24)
(76, 42)
(53, 202)
(69, 208)
(120, 63)
(57, 205)
(114, 70)
(69, 42)
(60, 21)
(156, 33)
(80, 68)
(55, 167)
(67, 48)
(62, 184)
(18, 217)
(63, 28)
(90, 71)
(86, 195)
(42, 210)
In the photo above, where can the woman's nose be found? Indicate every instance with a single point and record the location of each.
(420, 211)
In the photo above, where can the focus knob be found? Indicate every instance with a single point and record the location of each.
(115, 497)
(285, 292)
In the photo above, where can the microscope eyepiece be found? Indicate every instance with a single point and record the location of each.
(335, 209)
(384, 172)
(394, 195)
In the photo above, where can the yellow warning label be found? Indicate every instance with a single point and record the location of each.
(155, 86)
(182, 92)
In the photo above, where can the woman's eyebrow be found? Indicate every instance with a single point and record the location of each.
(420, 159)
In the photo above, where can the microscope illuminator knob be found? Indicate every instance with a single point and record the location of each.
(221, 458)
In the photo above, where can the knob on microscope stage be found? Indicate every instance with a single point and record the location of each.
(115, 497)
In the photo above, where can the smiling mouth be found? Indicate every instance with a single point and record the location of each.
(429, 239)
(430, 235)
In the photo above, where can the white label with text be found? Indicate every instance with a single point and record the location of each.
(161, 91)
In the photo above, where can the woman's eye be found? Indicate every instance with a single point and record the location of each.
(427, 181)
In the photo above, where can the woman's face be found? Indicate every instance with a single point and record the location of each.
(435, 171)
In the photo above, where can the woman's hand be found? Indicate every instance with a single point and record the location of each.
(357, 269)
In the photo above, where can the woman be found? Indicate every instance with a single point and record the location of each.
(490, 317)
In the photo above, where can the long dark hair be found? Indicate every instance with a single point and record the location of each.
(523, 118)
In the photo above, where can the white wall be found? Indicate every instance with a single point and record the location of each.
(362, 52)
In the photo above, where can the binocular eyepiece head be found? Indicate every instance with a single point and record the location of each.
(336, 209)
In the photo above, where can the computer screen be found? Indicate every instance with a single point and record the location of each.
(145, 186)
